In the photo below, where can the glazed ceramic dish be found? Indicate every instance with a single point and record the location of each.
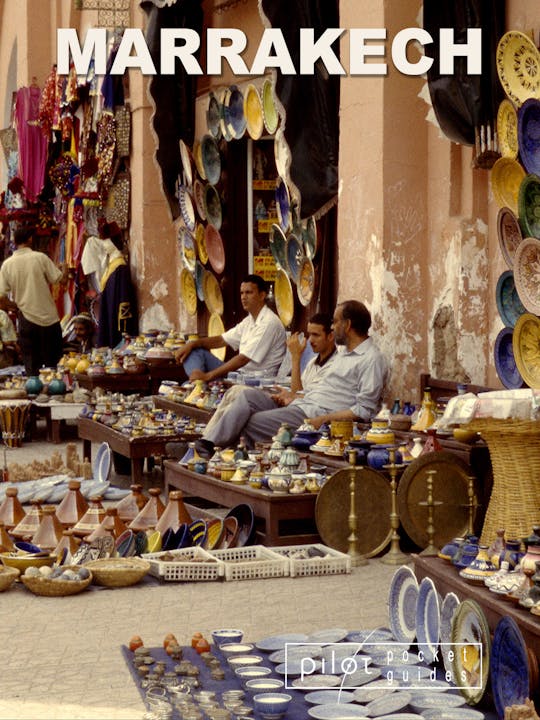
(305, 284)
(199, 275)
(282, 154)
(253, 112)
(527, 273)
(246, 523)
(529, 206)
(295, 255)
(212, 206)
(509, 305)
(428, 619)
(197, 159)
(509, 233)
(506, 178)
(278, 243)
(216, 327)
(198, 195)
(212, 294)
(448, 609)
(309, 238)
(392, 703)
(316, 682)
(336, 711)
(526, 345)
(283, 204)
(283, 295)
(213, 114)
(186, 243)
(402, 600)
(223, 125)
(186, 207)
(185, 157)
(215, 249)
(471, 663)
(270, 114)
(278, 642)
(101, 467)
(188, 291)
(326, 697)
(529, 135)
(507, 129)
(518, 66)
(200, 242)
(505, 362)
(211, 160)
(509, 666)
(234, 113)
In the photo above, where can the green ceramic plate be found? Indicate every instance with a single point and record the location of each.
(529, 206)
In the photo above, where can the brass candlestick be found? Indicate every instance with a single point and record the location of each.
(430, 503)
(357, 559)
(394, 556)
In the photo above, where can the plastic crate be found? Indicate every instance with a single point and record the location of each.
(191, 564)
(252, 562)
(333, 562)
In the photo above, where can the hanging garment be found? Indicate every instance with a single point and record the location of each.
(32, 142)
(118, 310)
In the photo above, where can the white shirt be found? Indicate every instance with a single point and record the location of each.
(263, 341)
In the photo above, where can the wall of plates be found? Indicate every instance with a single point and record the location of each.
(515, 182)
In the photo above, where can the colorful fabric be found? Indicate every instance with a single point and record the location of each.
(32, 142)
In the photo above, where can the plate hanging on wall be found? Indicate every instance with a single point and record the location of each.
(283, 296)
(526, 345)
(527, 274)
(198, 194)
(234, 112)
(188, 291)
(506, 178)
(199, 275)
(186, 207)
(529, 206)
(197, 159)
(309, 237)
(212, 206)
(278, 244)
(509, 233)
(270, 113)
(223, 125)
(505, 362)
(507, 129)
(283, 204)
(529, 135)
(215, 249)
(187, 248)
(212, 294)
(213, 115)
(518, 65)
(216, 327)
(295, 256)
(509, 305)
(200, 241)
(185, 157)
(306, 282)
(211, 159)
(253, 112)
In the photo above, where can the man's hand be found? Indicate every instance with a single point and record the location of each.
(297, 344)
(183, 352)
(283, 398)
(199, 375)
(317, 421)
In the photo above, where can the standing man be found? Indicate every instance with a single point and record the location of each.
(27, 276)
(259, 339)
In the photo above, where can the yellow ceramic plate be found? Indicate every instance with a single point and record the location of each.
(185, 156)
(270, 113)
(214, 528)
(188, 291)
(284, 297)
(518, 65)
(253, 111)
(216, 327)
(507, 129)
(212, 293)
(306, 281)
(197, 158)
(200, 241)
(198, 195)
(506, 177)
(154, 542)
(526, 347)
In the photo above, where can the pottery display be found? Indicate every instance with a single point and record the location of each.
(480, 567)
(11, 510)
(49, 531)
(279, 481)
(426, 415)
(380, 432)
(73, 505)
(148, 517)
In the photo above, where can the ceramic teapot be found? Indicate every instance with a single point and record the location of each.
(279, 481)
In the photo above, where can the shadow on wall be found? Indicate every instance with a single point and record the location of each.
(446, 365)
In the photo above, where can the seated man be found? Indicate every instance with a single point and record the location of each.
(81, 338)
(259, 339)
(350, 386)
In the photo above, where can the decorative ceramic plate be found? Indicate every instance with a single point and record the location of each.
(212, 206)
(223, 125)
(186, 207)
(518, 66)
(197, 530)
(283, 295)
(361, 677)
(229, 534)
(471, 664)
(282, 154)
(509, 232)
(212, 294)
(188, 291)
(529, 135)
(211, 160)
(374, 690)
(337, 711)
(101, 467)
(253, 112)
(214, 248)
(213, 115)
(506, 178)
(332, 635)
(428, 619)
(527, 273)
(199, 276)
(459, 713)
(198, 195)
(450, 487)
(186, 243)
(402, 599)
(509, 666)
(283, 204)
(305, 284)
(293, 668)
(526, 344)
(197, 159)
(325, 697)
(529, 206)
(436, 701)
(125, 543)
(507, 123)
(505, 362)
(448, 608)
(295, 652)
(509, 305)
(309, 238)
(246, 520)
(185, 157)
(373, 503)
(295, 256)
(154, 542)
(278, 243)
(216, 327)
(234, 112)
(200, 242)
(278, 642)
(389, 704)
(270, 113)
(214, 528)
(316, 682)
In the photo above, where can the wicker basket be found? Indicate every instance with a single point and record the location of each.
(8, 575)
(118, 572)
(514, 447)
(56, 588)
(252, 562)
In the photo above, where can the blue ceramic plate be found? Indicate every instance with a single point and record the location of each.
(388, 704)
(125, 544)
(509, 305)
(509, 666)
(141, 542)
(529, 135)
(234, 113)
(283, 204)
(197, 530)
(505, 362)
(213, 115)
(337, 711)
(402, 600)
(115, 493)
(459, 713)
(278, 642)
(435, 701)
(326, 697)
(101, 467)
(529, 206)
(278, 243)
(316, 682)
(27, 547)
(295, 256)
(448, 608)
(211, 160)
(428, 619)
(212, 206)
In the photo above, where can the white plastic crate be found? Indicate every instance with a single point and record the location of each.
(189, 564)
(332, 563)
(252, 562)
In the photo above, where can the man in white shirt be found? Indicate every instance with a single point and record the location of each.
(259, 340)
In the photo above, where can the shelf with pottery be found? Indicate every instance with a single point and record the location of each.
(279, 517)
(201, 415)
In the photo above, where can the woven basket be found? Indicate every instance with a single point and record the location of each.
(118, 572)
(56, 588)
(514, 447)
(8, 575)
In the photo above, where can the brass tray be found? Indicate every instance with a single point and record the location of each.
(373, 503)
(450, 486)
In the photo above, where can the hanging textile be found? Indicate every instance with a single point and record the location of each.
(32, 142)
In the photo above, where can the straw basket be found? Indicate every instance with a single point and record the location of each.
(118, 572)
(8, 575)
(514, 447)
(56, 587)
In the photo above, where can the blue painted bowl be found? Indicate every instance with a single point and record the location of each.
(271, 705)
(227, 635)
(27, 547)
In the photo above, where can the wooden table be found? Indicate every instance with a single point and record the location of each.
(280, 519)
(136, 449)
(123, 383)
(181, 409)
(54, 413)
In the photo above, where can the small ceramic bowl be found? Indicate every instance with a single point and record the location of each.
(264, 685)
(247, 673)
(237, 661)
(271, 705)
(225, 636)
(234, 649)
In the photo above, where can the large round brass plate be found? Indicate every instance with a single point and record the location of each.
(373, 503)
(450, 487)
(526, 346)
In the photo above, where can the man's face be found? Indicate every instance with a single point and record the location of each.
(81, 330)
(251, 297)
(319, 339)
(339, 326)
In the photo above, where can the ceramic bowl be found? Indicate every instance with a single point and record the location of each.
(236, 661)
(250, 673)
(264, 685)
(224, 636)
(231, 648)
(21, 562)
(271, 705)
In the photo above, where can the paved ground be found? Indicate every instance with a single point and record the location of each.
(60, 657)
